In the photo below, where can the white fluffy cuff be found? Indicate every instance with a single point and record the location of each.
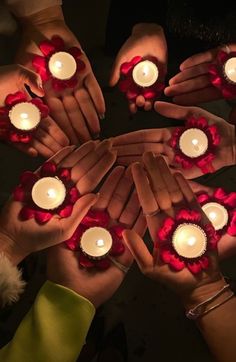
(11, 282)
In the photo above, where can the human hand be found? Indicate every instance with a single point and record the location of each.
(98, 286)
(88, 165)
(131, 146)
(48, 138)
(76, 110)
(162, 195)
(145, 40)
(192, 85)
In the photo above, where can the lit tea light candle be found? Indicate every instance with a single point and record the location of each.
(217, 214)
(48, 193)
(145, 73)
(230, 69)
(96, 242)
(189, 241)
(25, 116)
(193, 142)
(62, 65)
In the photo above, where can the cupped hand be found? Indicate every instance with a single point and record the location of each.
(192, 85)
(132, 145)
(118, 197)
(88, 165)
(145, 40)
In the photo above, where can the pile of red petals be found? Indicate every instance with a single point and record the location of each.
(7, 130)
(40, 63)
(167, 252)
(92, 219)
(204, 161)
(131, 89)
(228, 200)
(22, 193)
(218, 77)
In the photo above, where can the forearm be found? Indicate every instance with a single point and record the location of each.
(218, 327)
(26, 8)
(53, 330)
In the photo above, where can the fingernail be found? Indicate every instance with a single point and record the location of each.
(102, 116)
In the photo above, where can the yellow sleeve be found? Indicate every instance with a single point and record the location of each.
(54, 330)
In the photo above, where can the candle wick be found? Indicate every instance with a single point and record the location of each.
(100, 242)
(51, 193)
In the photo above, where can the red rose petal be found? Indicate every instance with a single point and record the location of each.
(133, 92)
(194, 267)
(19, 194)
(28, 179)
(166, 255)
(44, 110)
(231, 230)
(73, 195)
(118, 230)
(66, 211)
(40, 65)
(203, 198)
(222, 56)
(118, 248)
(75, 52)
(125, 84)
(204, 261)
(96, 218)
(72, 82)
(73, 243)
(188, 215)
(126, 68)
(80, 65)
(103, 264)
(230, 200)
(165, 231)
(42, 216)
(58, 43)
(135, 60)
(16, 137)
(58, 85)
(85, 261)
(176, 263)
(47, 47)
(26, 213)
(148, 93)
(64, 174)
(48, 169)
(15, 98)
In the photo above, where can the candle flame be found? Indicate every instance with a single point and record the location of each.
(100, 242)
(24, 115)
(194, 141)
(191, 241)
(212, 215)
(51, 193)
(58, 64)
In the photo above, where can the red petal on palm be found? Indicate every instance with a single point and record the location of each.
(215, 135)
(19, 194)
(44, 110)
(135, 60)
(166, 230)
(133, 92)
(230, 200)
(96, 218)
(185, 163)
(126, 68)
(28, 179)
(80, 65)
(125, 84)
(222, 56)
(75, 52)
(166, 254)
(66, 211)
(48, 169)
(201, 122)
(203, 198)
(176, 263)
(213, 70)
(42, 216)
(228, 92)
(73, 243)
(217, 81)
(26, 213)
(148, 93)
(16, 137)
(72, 82)
(118, 230)
(204, 163)
(64, 174)
(220, 194)
(194, 267)
(103, 264)
(204, 261)
(188, 216)
(85, 261)
(58, 85)
(231, 230)
(58, 43)
(4, 113)
(118, 248)
(175, 137)
(212, 236)
(15, 98)
(47, 47)
(40, 65)
(73, 195)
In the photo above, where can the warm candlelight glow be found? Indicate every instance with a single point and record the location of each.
(48, 193)
(230, 69)
(96, 242)
(62, 65)
(193, 142)
(25, 116)
(145, 73)
(217, 214)
(189, 240)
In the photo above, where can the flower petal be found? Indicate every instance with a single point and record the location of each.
(118, 248)
(75, 52)
(73, 195)
(58, 43)
(15, 98)
(231, 230)
(204, 261)
(176, 263)
(103, 264)
(194, 267)
(19, 194)
(44, 110)
(80, 65)
(42, 216)
(48, 169)
(85, 261)
(203, 198)
(66, 211)
(47, 47)
(73, 243)
(40, 64)
(118, 230)
(166, 230)
(26, 213)
(96, 218)
(64, 174)
(166, 254)
(28, 179)
(188, 215)
(58, 85)
(72, 82)
(16, 137)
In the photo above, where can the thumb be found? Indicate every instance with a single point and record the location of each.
(80, 209)
(196, 187)
(115, 74)
(33, 80)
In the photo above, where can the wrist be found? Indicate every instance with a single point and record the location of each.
(143, 29)
(50, 15)
(11, 249)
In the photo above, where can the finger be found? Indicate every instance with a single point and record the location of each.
(42, 149)
(131, 210)
(189, 85)
(60, 155)
(32, 79)
(148, 105)
(132, 107)
(157, 183)
(80, 209)
(107, 189)
(196, 187)
(96, 94)
(58, 113)
(174, 111)
(138, 249)
(204, 57)
(115, 73)
(74, 157)
(189, 73)
(140, 225)
(139, 148)
(76, 118)
(88, 110)
(90, 160)
(28, 149)
(145, 135)
(140, 101)
(120, 195)
(208, 94)
(47, 140)
(50, 126)
(126, 161)
(92, 178)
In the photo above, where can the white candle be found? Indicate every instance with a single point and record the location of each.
(48, 193)
(25, 116)
(193, 142)
(96, 242)
(62, 65)
(189, 240)
(217, 214)
(145, 73)
(230, 69)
